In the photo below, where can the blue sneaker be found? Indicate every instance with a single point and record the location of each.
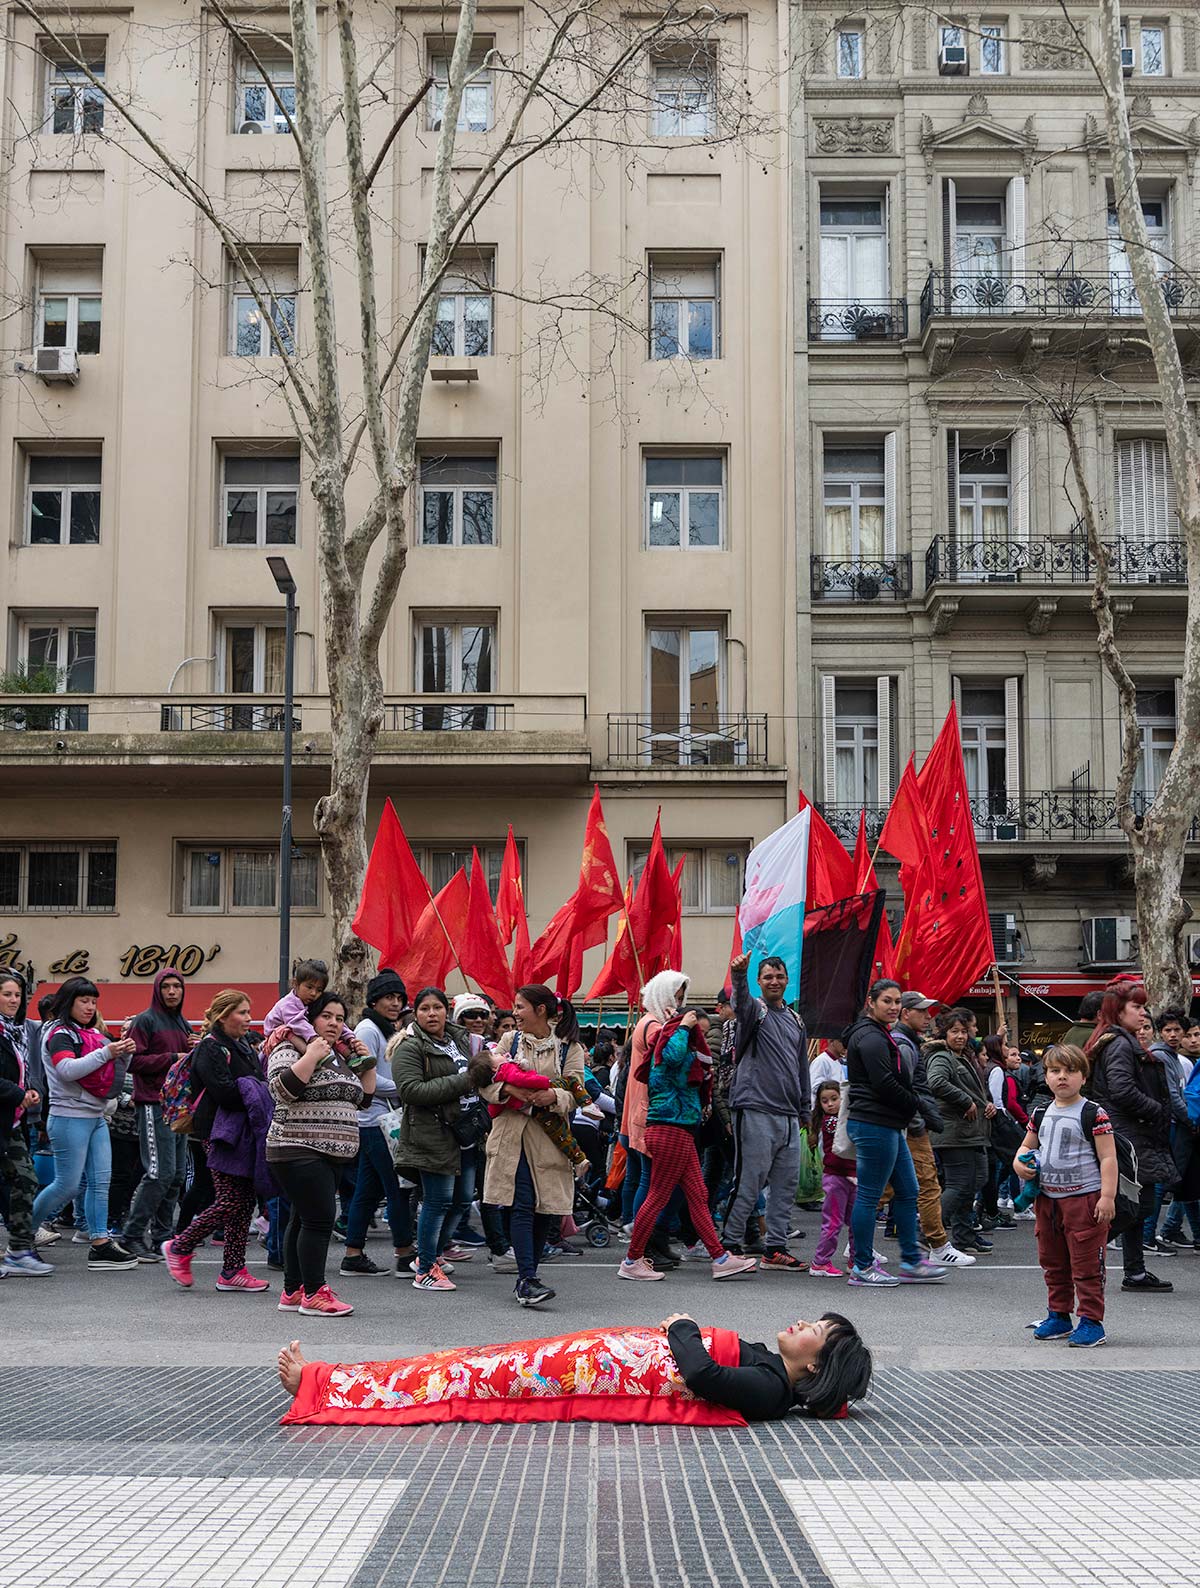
(872, 1276)
(1054, 1326)
(1086, 1332)
(922, 1272)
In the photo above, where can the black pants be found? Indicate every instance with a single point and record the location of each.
(200, 1193)
(1133, 1251)
(126, 1172)
(966, 1170)
(311, 1186)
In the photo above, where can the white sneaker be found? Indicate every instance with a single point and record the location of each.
(26, 1263)
(1025, 1216)
(950, 1256)
(696, 1253)
(81, 1238)
(46, 1236)
(880, 1259)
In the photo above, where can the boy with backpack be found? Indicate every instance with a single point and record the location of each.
(1078, 1180)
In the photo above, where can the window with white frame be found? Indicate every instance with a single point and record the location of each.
(63, 500)
(984, 493)
(58, 653)
(250, 330)
(58, 878)
(456, 656)
(685, 692)
(458, 500)
(850, 54)
(1123, 292)
(1145, 490)
(463, 328)
(266, 98)
(74, 104)
(854, 253)
(684, 91)
(856, 742)
(993, 49)
(1153, 37)
(251, 656)
(855, 501)
(475, 113)
(68, 303)
(712, 878)
(684, 306)
(238, 878)
(684, 500)
(1156, 724)
(950, 36)
(260, 493)
(989, 714)
(439, 862)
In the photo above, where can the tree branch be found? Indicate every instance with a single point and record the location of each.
(413, 104)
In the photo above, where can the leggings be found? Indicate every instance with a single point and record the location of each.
(674, 1162)
(232, 1210)
(311, 1186)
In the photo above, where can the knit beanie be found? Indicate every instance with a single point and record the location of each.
(386, 983)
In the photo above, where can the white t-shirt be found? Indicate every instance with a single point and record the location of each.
(1067, 1162)
(825, 1068)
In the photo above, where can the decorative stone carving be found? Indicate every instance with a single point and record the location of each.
(1039, 614)
(818, 43)
(920, 36)
(978, 133)
(1141, 106)
(977, 105)
(1190, 51)
(943, 614)
(1039, 871)
(853, 135)
(1046, 46)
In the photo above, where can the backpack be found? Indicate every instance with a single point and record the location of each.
(179, 1098)
(1129, 1186)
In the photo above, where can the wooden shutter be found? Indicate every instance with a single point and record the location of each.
(1014, 225)
(883, 712)
(952, 483)
(956, 696)
(1018, 485)
(949, 236)
(1162, 522)
(1130, 517)
(1146, 504)
(1012, 739)
(829, 737)
(889, 494)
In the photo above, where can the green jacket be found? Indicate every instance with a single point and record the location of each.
(428, 1087)
(955, 1081)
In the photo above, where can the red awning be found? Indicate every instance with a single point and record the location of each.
(1059, 983)
(120, 999)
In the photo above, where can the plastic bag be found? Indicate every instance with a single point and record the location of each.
(809, 1187)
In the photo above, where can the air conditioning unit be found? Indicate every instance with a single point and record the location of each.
(1193, 950)
(1006, 938)
(253, 126)
(872, 326)
(1127, 63)
(952, 60)
(1108, 940)
(1005, 832)
(56, 364)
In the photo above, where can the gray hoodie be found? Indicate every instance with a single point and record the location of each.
(772, 1067)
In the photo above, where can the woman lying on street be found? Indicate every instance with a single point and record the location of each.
(677, 1373)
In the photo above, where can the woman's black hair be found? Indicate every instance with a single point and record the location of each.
(23, 1006)
(431, 992)
(825, 1086)
(881, 986)
(322, 1002)
(995, 1048)
(948, 1018)
(843, 1370)
(541, 997)
(74, 987)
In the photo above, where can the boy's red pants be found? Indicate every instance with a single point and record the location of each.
(1071, 1251)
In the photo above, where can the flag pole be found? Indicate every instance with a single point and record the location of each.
(445, 933)
(1000, 1020)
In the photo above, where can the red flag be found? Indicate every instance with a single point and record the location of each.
(906, 830)
(735, 948)
(394, 892)
(510, 911)
(830, 869)
(675, 953)
(866, 882)
(946, 942)
(652, 918)
(481, 954)
(619, 973)
(582, 922)
(438, 932)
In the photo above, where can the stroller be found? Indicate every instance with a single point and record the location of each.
(593, 1222)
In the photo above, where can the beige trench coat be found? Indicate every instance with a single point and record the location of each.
(513, 1133)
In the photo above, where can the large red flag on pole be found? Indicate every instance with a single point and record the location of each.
(480, 952)
(394, 892)
(831, 872)
(435, 943)
(510, 910)
(647, 931)
(582, 922)
(884, 960)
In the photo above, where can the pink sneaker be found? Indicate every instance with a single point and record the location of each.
(179, 1267)
(731, 1265)
(323, 1305)
(826, 1271)
(289, 1300)
(435, 1279)
(242, 1280)
(456, 1254)
(637, 1268)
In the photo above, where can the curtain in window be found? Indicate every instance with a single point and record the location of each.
(253, 879)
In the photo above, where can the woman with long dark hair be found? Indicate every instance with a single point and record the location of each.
(18, 1100)
(1131, 1083)
(377, 1178)
(84, 1068)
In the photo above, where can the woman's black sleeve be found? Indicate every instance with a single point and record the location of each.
(756, 1392)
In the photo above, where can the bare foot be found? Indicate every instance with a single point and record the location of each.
(291, 1365)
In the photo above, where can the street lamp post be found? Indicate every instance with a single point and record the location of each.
(286, 585)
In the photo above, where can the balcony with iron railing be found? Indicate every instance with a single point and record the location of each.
(1038, 817)
(843, 320)
(861, 579)
(1048, 560)
(1064, 294)
(714, 741)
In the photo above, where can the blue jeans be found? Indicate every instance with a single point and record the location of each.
(279, 1213)
(1173, 1223)
(377, 1178)
(528, 1226)
(80, 1145)
(882, 1155)
(433, 1228)
(464, 1192)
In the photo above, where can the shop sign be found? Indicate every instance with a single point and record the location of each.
(149, 959)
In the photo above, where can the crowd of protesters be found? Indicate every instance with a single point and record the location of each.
(492, 1134)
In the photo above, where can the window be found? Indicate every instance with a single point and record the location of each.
(68, 306)
(260, 494)
(455, 657)
(74, 104)
(64, 647)
(58, 879)
(224, 879)
(983, 493)
(439, 863)
(854, 255)
(1146, 510)
(684, 497)
(855, 501)
(989, 713)
(252, 658)
(685, 690)
(1120, 272)
(856, 742)
(684, 306)
(992, 49)
(849, 52)
(684, 93)
(63, 501)
(249, 330)
(463, 328)
(458, 501)
(475, 111)
(951, 37)
(264, 102)
(979, 237)
(712, 879)
(1154, 50)
(1156, 721)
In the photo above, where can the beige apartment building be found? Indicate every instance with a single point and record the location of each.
(956, 251)
(600, 587)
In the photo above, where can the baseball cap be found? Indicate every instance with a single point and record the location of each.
(916, 1000)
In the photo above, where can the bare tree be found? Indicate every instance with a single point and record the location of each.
(580, 85)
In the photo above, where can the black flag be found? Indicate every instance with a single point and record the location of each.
(839, 954)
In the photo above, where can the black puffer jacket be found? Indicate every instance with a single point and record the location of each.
(1133, 1087)
(881, 1087)
(928, 1115)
